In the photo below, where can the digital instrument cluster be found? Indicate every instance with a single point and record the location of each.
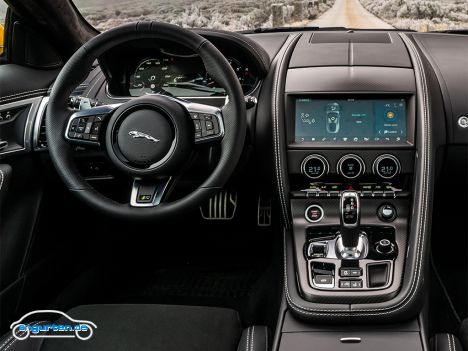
(183, 76)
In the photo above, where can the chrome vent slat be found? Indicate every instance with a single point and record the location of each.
(42, 138)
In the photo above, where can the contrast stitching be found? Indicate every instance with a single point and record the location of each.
(454, 343)
(247, 340)
(254, 49)
(26, 96)
(266, 339)
(253, 339)
(276, 137)
(12, 337)
(247, 43)
(422, 219)
(98, 78)
(449, 342)
(2, 177)
(23, 92)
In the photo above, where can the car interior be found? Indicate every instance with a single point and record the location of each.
(181, 188)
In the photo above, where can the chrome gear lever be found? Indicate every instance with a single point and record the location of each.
(352, 242)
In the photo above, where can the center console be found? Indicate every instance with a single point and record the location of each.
(352, 152)
(350, 165)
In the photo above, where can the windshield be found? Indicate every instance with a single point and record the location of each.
(3, 10)
(420, 15)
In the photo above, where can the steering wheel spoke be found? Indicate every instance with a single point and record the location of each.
(86, 127)
(148, 193)
(207, 120)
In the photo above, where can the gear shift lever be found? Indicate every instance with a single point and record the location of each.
(352, 243)
(350, 218)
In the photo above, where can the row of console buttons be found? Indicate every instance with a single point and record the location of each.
(327, 281)
(314, 213)
(350, 284)
(350, 272)
(363, 194)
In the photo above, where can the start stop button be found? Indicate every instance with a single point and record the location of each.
(314, 213)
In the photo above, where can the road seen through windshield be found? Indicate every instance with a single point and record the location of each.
(349, 14)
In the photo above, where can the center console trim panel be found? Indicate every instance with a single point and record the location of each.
(407, 298)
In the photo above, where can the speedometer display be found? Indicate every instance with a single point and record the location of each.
(149, 76)
(183, 77)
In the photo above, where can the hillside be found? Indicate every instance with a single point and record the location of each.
(421, 15)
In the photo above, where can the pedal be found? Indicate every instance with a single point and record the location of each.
(221, 207)
(264, 211)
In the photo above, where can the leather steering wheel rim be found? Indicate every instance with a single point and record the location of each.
(78, 68)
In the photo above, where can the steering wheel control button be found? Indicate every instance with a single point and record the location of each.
(206, 125)
(145, 137)
(384, 246)
(314, 166)
(85, 128)
(387, 213)
(386, 166)
(314, 213)
(350, 166)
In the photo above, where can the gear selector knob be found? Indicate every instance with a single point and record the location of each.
(350, 217)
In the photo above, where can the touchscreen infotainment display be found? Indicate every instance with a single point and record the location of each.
(350, 120)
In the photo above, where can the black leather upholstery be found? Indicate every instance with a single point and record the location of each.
(464, 334)
(254, 338)
(152, 327)
(445, 342)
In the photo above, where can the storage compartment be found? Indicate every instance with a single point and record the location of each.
(298, 335)
(351, 341)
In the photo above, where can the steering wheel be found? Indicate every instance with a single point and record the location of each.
(149, 138)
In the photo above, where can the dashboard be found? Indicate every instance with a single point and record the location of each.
(334, 111)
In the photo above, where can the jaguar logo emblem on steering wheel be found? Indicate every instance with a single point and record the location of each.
(136, 134)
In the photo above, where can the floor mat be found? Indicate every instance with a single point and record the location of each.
(200, 283)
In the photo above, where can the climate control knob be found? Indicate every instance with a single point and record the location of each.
(314, 166)
(350, 166)
(386, 166)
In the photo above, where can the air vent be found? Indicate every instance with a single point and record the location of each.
(354, 37)
(41, 137)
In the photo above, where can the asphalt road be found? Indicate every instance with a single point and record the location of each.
(349, 14)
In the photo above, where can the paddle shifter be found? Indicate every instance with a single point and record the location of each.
(352, 242)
